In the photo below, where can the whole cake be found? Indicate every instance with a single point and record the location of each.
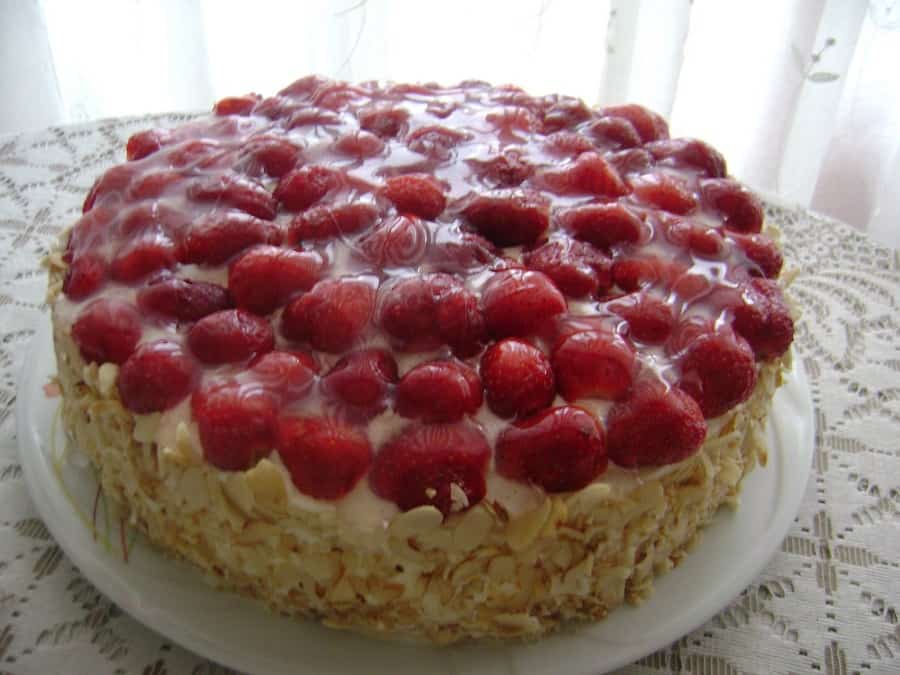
(436, 361)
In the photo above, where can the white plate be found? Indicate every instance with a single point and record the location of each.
(170, 598)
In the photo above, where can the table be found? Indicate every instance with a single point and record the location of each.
(828, 602)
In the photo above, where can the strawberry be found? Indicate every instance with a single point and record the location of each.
(564, 113)
(301, 188)
(578, 269)
(325, 222)
(398, 240)
(665, 192)
(233, 190)
(519, 302)
(156, 377)
(265, 277)
(460, 323)
(288, 375)
(107, 330)
(236, 105)
(589, 174)
(633, 160)
(509, 218)
(151, 251)
(216, 237)
(182, 299)
(569, 144)
(230, 336)
(145, 143)
(649, 125)
(85, 276)
(238, 423)
(517, 377)
(421, 463)
(763, 319)
(332, 316)
(509, 122)
(632, 274)
(593, 364)
(603, 225)
(361, 381)
(614, 133)
(561, 449)
(384, 122)
(89, 231)
(688, 151)
(154, 185)
(435, 141)
(655, 425)
(204, 152)
(153, 217)
(416, 193)
(359, 144)
(762, 252)
(718, 371)
(303, 87)
(508, 169)
(312, 117)
(742, 209)
(325, 458)
(649, 319)
(271, 155)
(113, 182)
(453, 250)
(439, 391)
(706, 242)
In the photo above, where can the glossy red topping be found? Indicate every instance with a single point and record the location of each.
(332, 316)
(107, 330)
(519, 302)
(265, 277)
(229, 336)
(577, 268)
(215, 238)
(593, 364)
(518, 378)
(718, 371)
(156, 377)
(182, 299)
(289, 375)
(361, 381)
(763, 319)
(439, 391)
(418, 194)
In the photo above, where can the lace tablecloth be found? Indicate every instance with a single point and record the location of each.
(827, 602)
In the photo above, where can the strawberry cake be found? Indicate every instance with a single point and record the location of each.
(443, 362)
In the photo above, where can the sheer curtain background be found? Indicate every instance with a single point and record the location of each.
(801, 96)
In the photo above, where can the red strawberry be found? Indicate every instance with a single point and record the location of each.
(453, 250)
(742, 209)
(649, 319)
(569, 143)
(301, 188)
(762, 252)
(577, 268)
(588, 174)
(593, 364)
(85, 276)
(332, 316)
(271, 155)
(560, 449)
(565, 113)
(506, 170)
(218, 236)
(206, 153)
(460, 323)
(290, 376)
(763, 319)
(655, 425)
(236, 105)
(154, 185)
(236, 191)
(649, 125)
(303, 87)
(719, 372)
(229, 336)
(145, 143)
(511, 217)
(416, 193)
(325, 222)
(278, 107)
(265, 277)
(153, 217)
(325, 458)
(362, 380)
(666, 192)
(435, 141)
(359, 144)
(89, 231)
(634, 160)
(182, 299)
(419, 465)
(107, 330)
(156, 377)
(603, 225)
(519, 302)
(614, 133)
(706, 242)
(631, 274)
(399, 240)
(312, 117)
(152, 251)
(694, 153)
(113, 182)
(439, 391)
(237, 423)
(508, 124)
(383, 122)
(518, 378)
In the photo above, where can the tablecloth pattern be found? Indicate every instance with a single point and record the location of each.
(827, 602)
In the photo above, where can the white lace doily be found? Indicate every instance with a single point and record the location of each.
(827, 603)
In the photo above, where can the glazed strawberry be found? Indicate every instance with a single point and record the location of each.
(649, 125)
(742, 209)
(706, 242)
(603, 225)
(152, 217)
(89, 231)
(655, 425)
(561, 449)
(215, 238)
(509, 218)
(614, 133)
(182, 299)
(332, 316)
(398, 240)
(113, 182)
(762, 252)
(153, 250)
(439, 391)
(235, 191)
(763, 319)
(569, 144)
(145, 143)
(301, 188)
(238, 423)
(690, 152)
(154, 185)
(85, 276)
(362, 380)
(278, 107)
(517, 377)
(589, 174)
(359, 144)
(460, 323)
(206, 153)
(236, 105)
(421, 464)
(718, 371)
(312, 117)
(519, 302)
(270, 155)
(416, 193)
(454, 250)
(565, 113)
(156, 377)
(577, 268)
(107, 330)
(230, 336)
(593, 364)
(288, 375)
(325, 458)
(649, 319)
(325, 222)
(632, 274)
(633, 160)
(265, 277)
(435, 141)
(303, 87)
(384, 122)
(508, 169)
(666, 192)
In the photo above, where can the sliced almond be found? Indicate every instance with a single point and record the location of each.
(472, 529)
(522, 531)
(267, 484)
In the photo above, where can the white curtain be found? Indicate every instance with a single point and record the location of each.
(802, 96)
